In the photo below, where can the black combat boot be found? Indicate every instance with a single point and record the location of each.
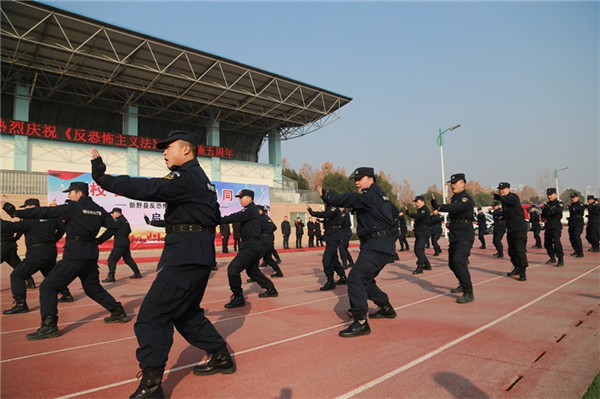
(49, 329)
(350, 262)
(457, 290)
(65, 296)
(329, 285)
(220, 362)
(30, 283)
(551, 261)
(513, 272)
(117, 316)
(560, 262)
(360, 326)
(500, 254)
(236, 302)
(270, 292)
(150, 385)
(136, 275)
(522, 275)
(20, 306)
(385, 311)
(467, 296)
(110, 278)
(418, 270)
(427, 265)
(277, 274)
(343, 280)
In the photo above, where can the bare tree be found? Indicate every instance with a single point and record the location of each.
(545, 179)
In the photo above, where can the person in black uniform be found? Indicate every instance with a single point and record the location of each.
(9, 254)
(318, 233)
(236, 236)
(403, 230)
(462, 235)
(311, 230)
(374, 216)
(576, 210)
(332, 222)
(225, 233)
(481, 227)
(267, 238)
(121, 248)
(592, 231)
(345, 255)
(422, 231)
(536, 227)
(185, 265)
(249, 253)
(83, 218)
(436, 231)
(41, 236)
(299, 232)
(499, 228)
(516, 229)
(552, 214)
(286, 230)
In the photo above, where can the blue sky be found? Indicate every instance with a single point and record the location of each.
(520, 77)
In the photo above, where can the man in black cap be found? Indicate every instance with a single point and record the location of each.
(499, 228)
(552, 213)
(422, 231)
(536, 227)
(403, 230)
(436, 231)
(83, 219)
(249, 253)
(462, 235)
(345, 255)
(576, 210)
(121, 248)
(481, 227)
(41, 236)
(374, 216)
(332, 222)
(267, 238)
(592, 232)
(516, 226)
(184, 266)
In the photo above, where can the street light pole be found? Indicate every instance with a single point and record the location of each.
(556, 179)
(440, 142)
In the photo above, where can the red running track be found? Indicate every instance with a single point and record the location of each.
(534, 339)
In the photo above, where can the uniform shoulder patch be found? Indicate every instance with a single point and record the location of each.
(211, 188)
(172, 175)
(386, 198)
(332, 209)
(464, 199)
(243, 210)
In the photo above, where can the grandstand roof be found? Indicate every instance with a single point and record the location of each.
(75, 60)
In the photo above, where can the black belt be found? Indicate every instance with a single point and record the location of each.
(250, 238)
(188, 228)
(372, 236)
(333, 226)
(41, 244)
(461, 221)
(81, 238)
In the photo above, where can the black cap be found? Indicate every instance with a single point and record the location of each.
(245, 192)
(261, 207)
(31, 201)
(478, 208)
(503, 184)
(78, 185)
(419, 197)
(116, 210)
(590, 197)
(175, 135)
(495, 203)
(456, 177)
(550, 190)
(573, 195)
(359, 173)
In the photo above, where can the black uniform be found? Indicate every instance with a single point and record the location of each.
(592, 232)
(311, 230)
(83, 219)
(576, 210)
(499, 230)
(462, 236)
(403, 230)
(536, 227)
(185, 264)
(516, 235)
(121, 248)
(225, 233)
(345, 242)
(332, 222)
(318, 234)
(552, 214)
(436, 232)
(422, 232)
(249, 252)
(267, 238)
(481, 228)
(286, 230)
(9, 246)
(374, 217)
(299, 232)
(236, 236)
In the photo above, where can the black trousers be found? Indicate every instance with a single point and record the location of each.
(311, 240)
(497, 241)
(11, 257)
(517, 249)
(536, 236)
(225, 244)
(402, 240)
(361, 280)
(267, 255)
(419, 247)
(174, 301)
(458, 255)
(575, 231)
(63, 274)
(40, 260)
(592, 234)
(435, 236)
(330, 260)
(552, 242)
(343, 250)
(298, 241)
(121, 252)
(246, 259)
(481, 236)
(286, 241)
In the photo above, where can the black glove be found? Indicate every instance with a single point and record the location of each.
(497, 197)
(9, 208)
(434, 203)
(98, 170)
(147, 219)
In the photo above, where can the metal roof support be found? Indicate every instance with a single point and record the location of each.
(214, 138)
(130, 127)
(21, 113)
(275, 153)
